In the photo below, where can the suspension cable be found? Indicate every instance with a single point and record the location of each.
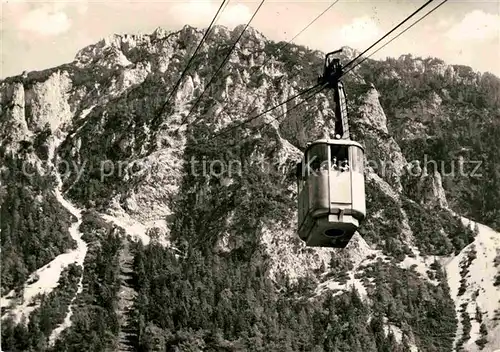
(266, 111)
(176, 86)
(324, 86)
(222, 64)
(378, 41)
(309, 97)
(281, 46)
(376, 51)
(392, 30)
(297, 105)
(311, 23)
(302, 102)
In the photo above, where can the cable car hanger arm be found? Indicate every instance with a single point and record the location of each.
(332, 73)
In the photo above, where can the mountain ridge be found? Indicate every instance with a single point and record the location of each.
(198, 227)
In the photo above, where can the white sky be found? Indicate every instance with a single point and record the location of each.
(40, 34)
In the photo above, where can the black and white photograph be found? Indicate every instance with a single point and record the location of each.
(250, 175)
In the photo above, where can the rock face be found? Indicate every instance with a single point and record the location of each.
(14, 124)
(431, 188)
(48, 102)
(200, 172)
(372, 113)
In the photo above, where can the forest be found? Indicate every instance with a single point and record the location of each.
(34, 226)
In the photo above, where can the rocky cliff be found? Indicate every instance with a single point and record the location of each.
(197, 227)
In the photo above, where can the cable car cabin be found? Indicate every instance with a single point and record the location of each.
(331, 192)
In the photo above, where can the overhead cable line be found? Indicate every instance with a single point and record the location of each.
(268, 110)
(324, 86)
(223, 63)
(176, 86)
(392, 30)
(302, 102)
(371, 46)
(297, 105)
(314, 20)
(230, 128)
(414, 23)
(281, 46)
(309, 97)
(413, 14)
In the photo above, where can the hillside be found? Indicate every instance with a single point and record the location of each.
(115, 237)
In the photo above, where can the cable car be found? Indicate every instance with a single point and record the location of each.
(330, 179)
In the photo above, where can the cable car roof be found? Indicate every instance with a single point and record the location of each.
(334, 142)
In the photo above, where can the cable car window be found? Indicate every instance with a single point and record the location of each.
(300, 175)
(317, 158)
(299, 169)
(357, 159)
(339, 157)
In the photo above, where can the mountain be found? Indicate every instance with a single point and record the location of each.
(130, 224)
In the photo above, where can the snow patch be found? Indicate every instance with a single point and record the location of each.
(82, 251)
(360, 255)
(396, 331)
(137, 230)
(332, 285)
(479, 289)
(132, 227)
(421, 264)
(46, 278)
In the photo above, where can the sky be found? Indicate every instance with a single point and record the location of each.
(36, 35)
